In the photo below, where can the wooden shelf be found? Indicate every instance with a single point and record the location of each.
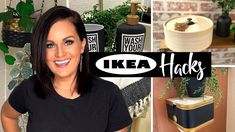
(217, 42)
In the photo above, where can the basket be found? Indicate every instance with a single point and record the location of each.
(13, 35)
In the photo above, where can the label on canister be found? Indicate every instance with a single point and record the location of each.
(93, 42)
(132, 42)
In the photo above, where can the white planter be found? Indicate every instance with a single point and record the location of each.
(195, 38)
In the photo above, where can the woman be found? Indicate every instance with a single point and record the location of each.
(63, 96)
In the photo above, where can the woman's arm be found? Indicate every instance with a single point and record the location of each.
(123, 130)
(8, 118)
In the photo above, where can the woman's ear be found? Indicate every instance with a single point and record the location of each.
(83, 45)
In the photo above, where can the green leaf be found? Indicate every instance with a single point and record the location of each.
(10, 60)
(3, 47)
(26, 22)
(27, 65)
(19, 7)
(12, 84)
(27, 48)
(15, 72)
(19, 55)
(26, 72)
(25, 9)
(5, 16)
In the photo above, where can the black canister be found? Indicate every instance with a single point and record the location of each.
(130, 36)
(95, 37)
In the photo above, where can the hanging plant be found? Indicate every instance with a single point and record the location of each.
(22, 69)
(211, 84)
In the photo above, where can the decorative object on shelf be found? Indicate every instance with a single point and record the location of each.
(130, 36)
(189, 33)
(146, 18)
(211, 85)
(17, 23)
(109, 18)
(224, 21)
(190, 114)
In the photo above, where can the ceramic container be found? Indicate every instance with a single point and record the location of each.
(195, 38)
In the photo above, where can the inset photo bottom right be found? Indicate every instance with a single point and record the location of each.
(186, 104)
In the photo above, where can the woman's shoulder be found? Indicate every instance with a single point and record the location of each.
(27, 84)
(31, 81)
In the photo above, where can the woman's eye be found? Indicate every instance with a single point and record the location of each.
(69, 42)
(50, 45)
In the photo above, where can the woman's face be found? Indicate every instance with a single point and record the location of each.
(63, 49)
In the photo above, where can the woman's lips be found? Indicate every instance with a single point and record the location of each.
(62, 63)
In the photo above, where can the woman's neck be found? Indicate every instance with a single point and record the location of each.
(66, 87)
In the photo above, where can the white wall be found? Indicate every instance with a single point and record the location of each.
(230, 101)
(82, 5)
(86, 5)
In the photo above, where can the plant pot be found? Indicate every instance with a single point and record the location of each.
(13, 35)
(195, 88)
(223, 24)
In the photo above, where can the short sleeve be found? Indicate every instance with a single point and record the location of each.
(17, 98)
(119, 116)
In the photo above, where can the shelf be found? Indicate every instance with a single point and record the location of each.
(218, 42)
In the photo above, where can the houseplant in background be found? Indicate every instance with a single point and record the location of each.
(22, 68)
(17, 23)
(209, 85)
(224, 21)
(109, 18)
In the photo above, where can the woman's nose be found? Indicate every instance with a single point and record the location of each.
(60, 52)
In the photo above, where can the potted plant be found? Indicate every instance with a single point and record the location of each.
(208, 85)
(114, 16)
(17, 23)
(224, 21)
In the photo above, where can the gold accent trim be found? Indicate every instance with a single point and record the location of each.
(191, 129)
(190, 107)
(174, 118)
(13, 25)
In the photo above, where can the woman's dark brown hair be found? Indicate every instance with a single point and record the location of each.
(39, 38)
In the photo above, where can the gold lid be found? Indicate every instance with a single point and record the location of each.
(133, 19)
(190, 103)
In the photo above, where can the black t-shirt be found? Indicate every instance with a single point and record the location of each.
(101, 110)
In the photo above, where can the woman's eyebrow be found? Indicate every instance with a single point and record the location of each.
(68, 37)
(49, 41)
(71, 36)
